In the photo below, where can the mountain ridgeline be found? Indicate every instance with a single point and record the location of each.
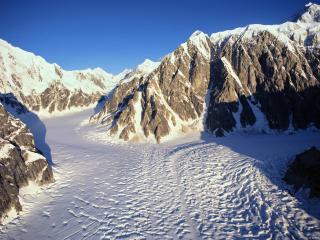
(256, 78)
(45, 88)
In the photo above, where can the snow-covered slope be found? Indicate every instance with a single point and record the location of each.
(47, 88)
(208, 188)
(255, 77)
(147, 66)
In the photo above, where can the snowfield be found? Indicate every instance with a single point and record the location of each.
(199, 187)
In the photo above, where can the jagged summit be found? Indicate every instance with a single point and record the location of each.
(310, 14)
(198, 33)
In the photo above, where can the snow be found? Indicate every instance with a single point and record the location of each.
(31, 157)
(35, 74)
(5, 149)
(192, 186)
(196, 187)
(312, 14)
(300, 30)
(281, 32)
(199, 39)
(142, 70)
(147, 66)
(231, 71)
(44, 113)
(309, 4)
(261, 124)
(9, 216)
(137, 119)
(31, 189)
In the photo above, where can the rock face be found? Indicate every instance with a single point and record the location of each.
(20, 164)
(305, 172)
(263, 75)
(169, 98)
(46, 88)
(258, 78)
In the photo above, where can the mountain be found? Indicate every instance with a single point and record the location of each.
(255, 78)
(127, 84)
(21, 164)
(46, 88)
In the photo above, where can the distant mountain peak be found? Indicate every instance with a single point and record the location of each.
(197, 33)
(147, 66)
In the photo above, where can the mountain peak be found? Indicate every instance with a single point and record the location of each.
(101, 71)
(147, 66)
(310, 13)
(309, 4)
(198, 34)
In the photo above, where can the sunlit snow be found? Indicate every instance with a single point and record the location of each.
(199, 187)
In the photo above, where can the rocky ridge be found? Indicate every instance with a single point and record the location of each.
(256, 78)
(21, 164)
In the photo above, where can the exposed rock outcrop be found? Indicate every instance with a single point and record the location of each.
(20, 164)
(305, 172)
(257, 78)
(264, 75)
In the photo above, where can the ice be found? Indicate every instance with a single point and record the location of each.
(196, 187)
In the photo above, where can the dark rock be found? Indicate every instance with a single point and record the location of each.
(304, 171)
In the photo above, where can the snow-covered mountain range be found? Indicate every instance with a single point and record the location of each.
(257, 78)
(46, 88)
(254, 78)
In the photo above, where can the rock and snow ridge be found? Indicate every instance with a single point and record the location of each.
(147, 66)
(310, 14)
(304, 31)
(21, 164)
(256, 78)
(46, 88)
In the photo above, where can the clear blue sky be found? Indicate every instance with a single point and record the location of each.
(120, 34)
